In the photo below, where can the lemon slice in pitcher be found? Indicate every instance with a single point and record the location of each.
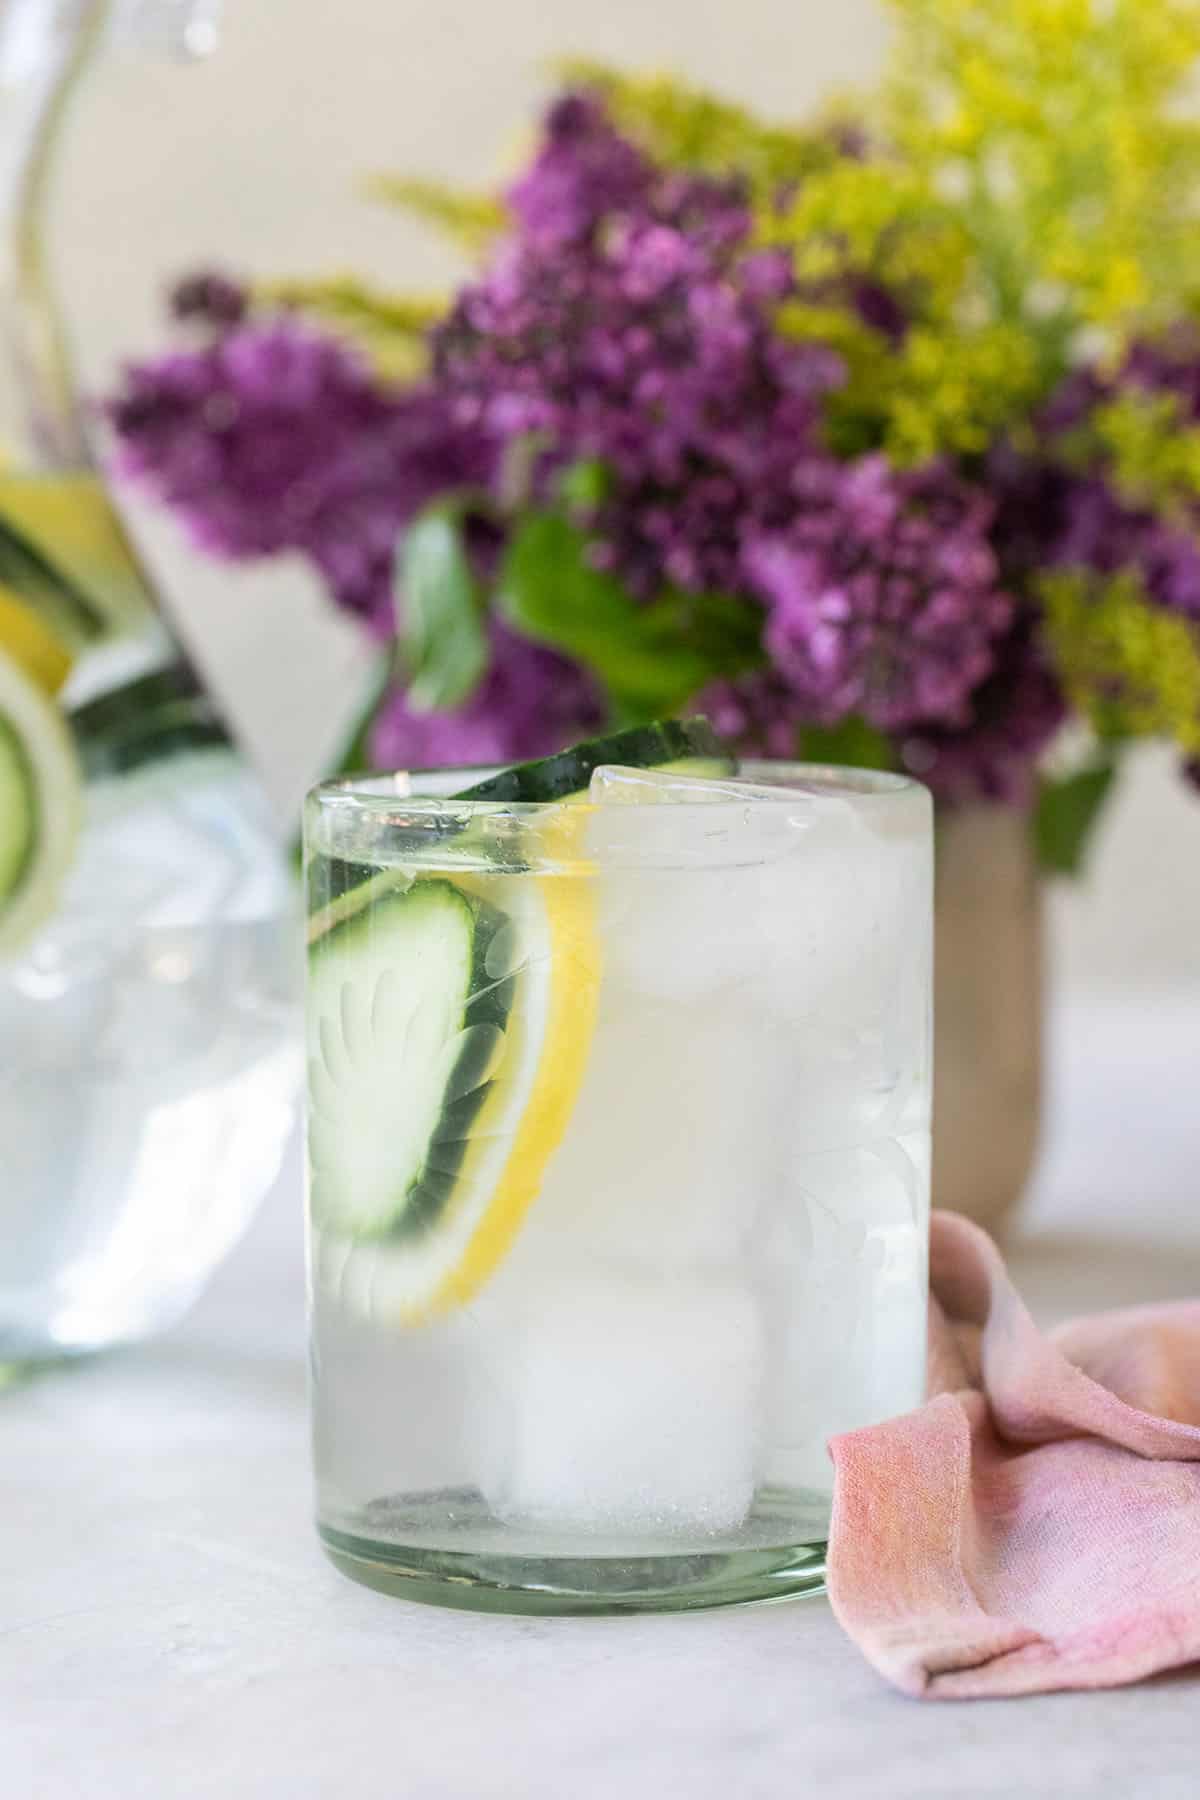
(40, 787)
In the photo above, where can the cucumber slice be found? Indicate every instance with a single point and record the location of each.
(448, 1039)
(160, 714)
(18, 812)
(40, 803)
(404, 1023)
(683, 746)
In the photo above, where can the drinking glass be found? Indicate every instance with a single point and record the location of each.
(619, 1175)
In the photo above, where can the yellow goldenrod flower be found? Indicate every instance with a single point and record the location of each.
(1129, 667)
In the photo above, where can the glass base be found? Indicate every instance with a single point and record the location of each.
(502, 1570)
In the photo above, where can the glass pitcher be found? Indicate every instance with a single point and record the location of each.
(148, 1046)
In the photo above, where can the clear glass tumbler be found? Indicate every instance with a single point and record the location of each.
(619, 1176)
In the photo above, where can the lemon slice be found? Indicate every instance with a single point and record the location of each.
(71, 544)
(450, 1022)
(39, 651)
(40, 801)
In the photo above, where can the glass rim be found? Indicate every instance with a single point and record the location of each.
(816, 784)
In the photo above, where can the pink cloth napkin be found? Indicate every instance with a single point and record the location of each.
(1036, 1525)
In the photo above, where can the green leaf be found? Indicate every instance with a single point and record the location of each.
(652, 658)
(853, 743)
(1066, 813)
(392, 329)
(585, 484)
(443, 641)
(469, 219)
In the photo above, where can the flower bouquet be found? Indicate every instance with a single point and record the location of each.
(877, 438)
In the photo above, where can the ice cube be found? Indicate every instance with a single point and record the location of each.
(842, 924)
(842, 1266)
(628, 1403)
(666, 1157)
(832, 1084)
(676, 936)
(820, 898)
(615, 784)
(677, 891)
(741, 824)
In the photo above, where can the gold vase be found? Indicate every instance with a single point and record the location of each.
(988, 1012)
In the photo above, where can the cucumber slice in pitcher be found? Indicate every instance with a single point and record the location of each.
(18, 812)
(682, 746)
(40, 803)
(165, 712)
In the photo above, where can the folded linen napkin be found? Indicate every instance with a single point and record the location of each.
(1036, 1524)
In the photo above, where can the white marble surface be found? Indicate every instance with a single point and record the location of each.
(169, 1631)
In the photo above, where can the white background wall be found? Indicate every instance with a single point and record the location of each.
(253, 159)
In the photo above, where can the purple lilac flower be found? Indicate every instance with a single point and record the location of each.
(878, 307)
(275, 437)
(584, 171)
(1166, 365)
(1031, 496)
(882, 596)
(1072, 402)
(632, 325)
(209, 298)
(756, 713)
(1013, 716)
(1102, 532)
(1051, 515)
(626, 318)
(530, 703)
(1170, 364)
(1101, 528)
